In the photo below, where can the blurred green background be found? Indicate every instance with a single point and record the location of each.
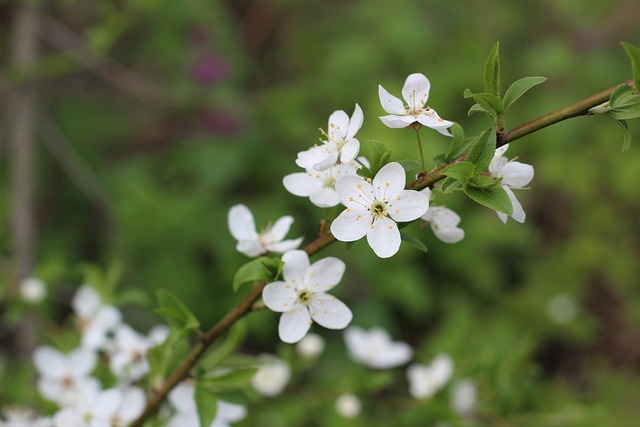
(155, 117)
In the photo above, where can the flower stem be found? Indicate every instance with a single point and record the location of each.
(417, 129)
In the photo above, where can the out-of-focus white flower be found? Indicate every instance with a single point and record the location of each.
(426, 380)
(562, 309)
(182, 399)
(250, 242)
(375, 348)
(97, 321)
(64, 377)
(348, 405)
(33, 290)
(302, 296)
(272, 375)
(340, 145)
(14, 416)
(131, 406)
(95, 409)
(463, 397)
(312, 345)
(128, 358)
(514, 175)
(415, 92)
(374, 208)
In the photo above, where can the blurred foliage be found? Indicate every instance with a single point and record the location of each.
(191, 107)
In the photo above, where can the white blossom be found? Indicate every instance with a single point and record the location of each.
(250, 242)
(272, 376)
(415, 92)
(340, 146)
(33, 290)
(96, 320)
(128, 358)
(348, 405)
(182, 399)
(375, 348)
(515, 175)
(562, 308)
(94, 409)
(463, 397)
(14, 416)
(64, 377)
(301, 297)
(311, 345)
(426, 380)
(373, 208)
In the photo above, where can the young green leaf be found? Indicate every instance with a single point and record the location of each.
(482, 151)
(459, 143)
(256, 270)
(410, 164)
(413, 241)
(228, 381)
(634, 56)
(624, 103)
(491, 103)
(476, 108)
(449, 184)
(519, 88)
(492, 197)
(206, 404)
(492, 72)
(175, 311)
(461, 171)
(232, 340)
(482, 181)
(626, 142)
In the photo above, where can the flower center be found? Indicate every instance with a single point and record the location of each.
(379, 209)
(304, 296)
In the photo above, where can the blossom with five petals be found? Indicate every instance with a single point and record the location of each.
(301, 297)
(375, 349)
(415, 92)
(514, 175)
(250, 242)
(373, 208)
(340, 145)
(426, 380)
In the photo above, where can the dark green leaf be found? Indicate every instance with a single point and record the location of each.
(492, 71)
(482, 181)
(234, 379)
(175, 311)
(413, 241)
(519, 88)
(634, 56)
(232, 340)
(459, 144)
(461, 171)
(449, 184)
(491, 103)
(207, 405)
(492, 197)
(410, 164)
(482, 151)
(476, 108)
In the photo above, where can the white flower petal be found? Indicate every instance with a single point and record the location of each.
(384, 237)
(390, 103)
(285, 245)
(516, 174)
(408, 205)
(230, 412)
(324, 274)
(279, 229)
(435, 123)
(330, 312)
(86, 301)
(397, 122)
(501, 150)
(107, 403)
(448, 235)
(349, 150)
(389, 181)
(351, 225)
(302, 184)
(241, 223)
(279, 296)
(82, 361)
(338, 125)
(294, 324)
(49, 361)
(251, 248)
(325, 198)
(354, 192)
(416, 90)
(296, 263)
(182, 398)
(518, 212)
(357, 118)
(133, 403)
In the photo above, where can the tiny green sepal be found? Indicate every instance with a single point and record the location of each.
(634, 55)
(256, 270)
(519, 88)
(492, 72)
(413, 241)
(175, 311)
(206, 404)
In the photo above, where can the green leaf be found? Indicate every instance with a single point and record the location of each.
(163, 357)
(413, 241)
(519, 88)
(232, 380)
(492, 71)
(449, 184)
(461, 171)
(459, 144)
(207, 405)
(624, 103)
(379, 156)
(634, 55)
(232, 340)
(481, 181)
(626, 142)
(491, 103)
(492, 197)
(482, 151)
(410, 164)
(175, 311)
(256, 270)
(476, 108)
